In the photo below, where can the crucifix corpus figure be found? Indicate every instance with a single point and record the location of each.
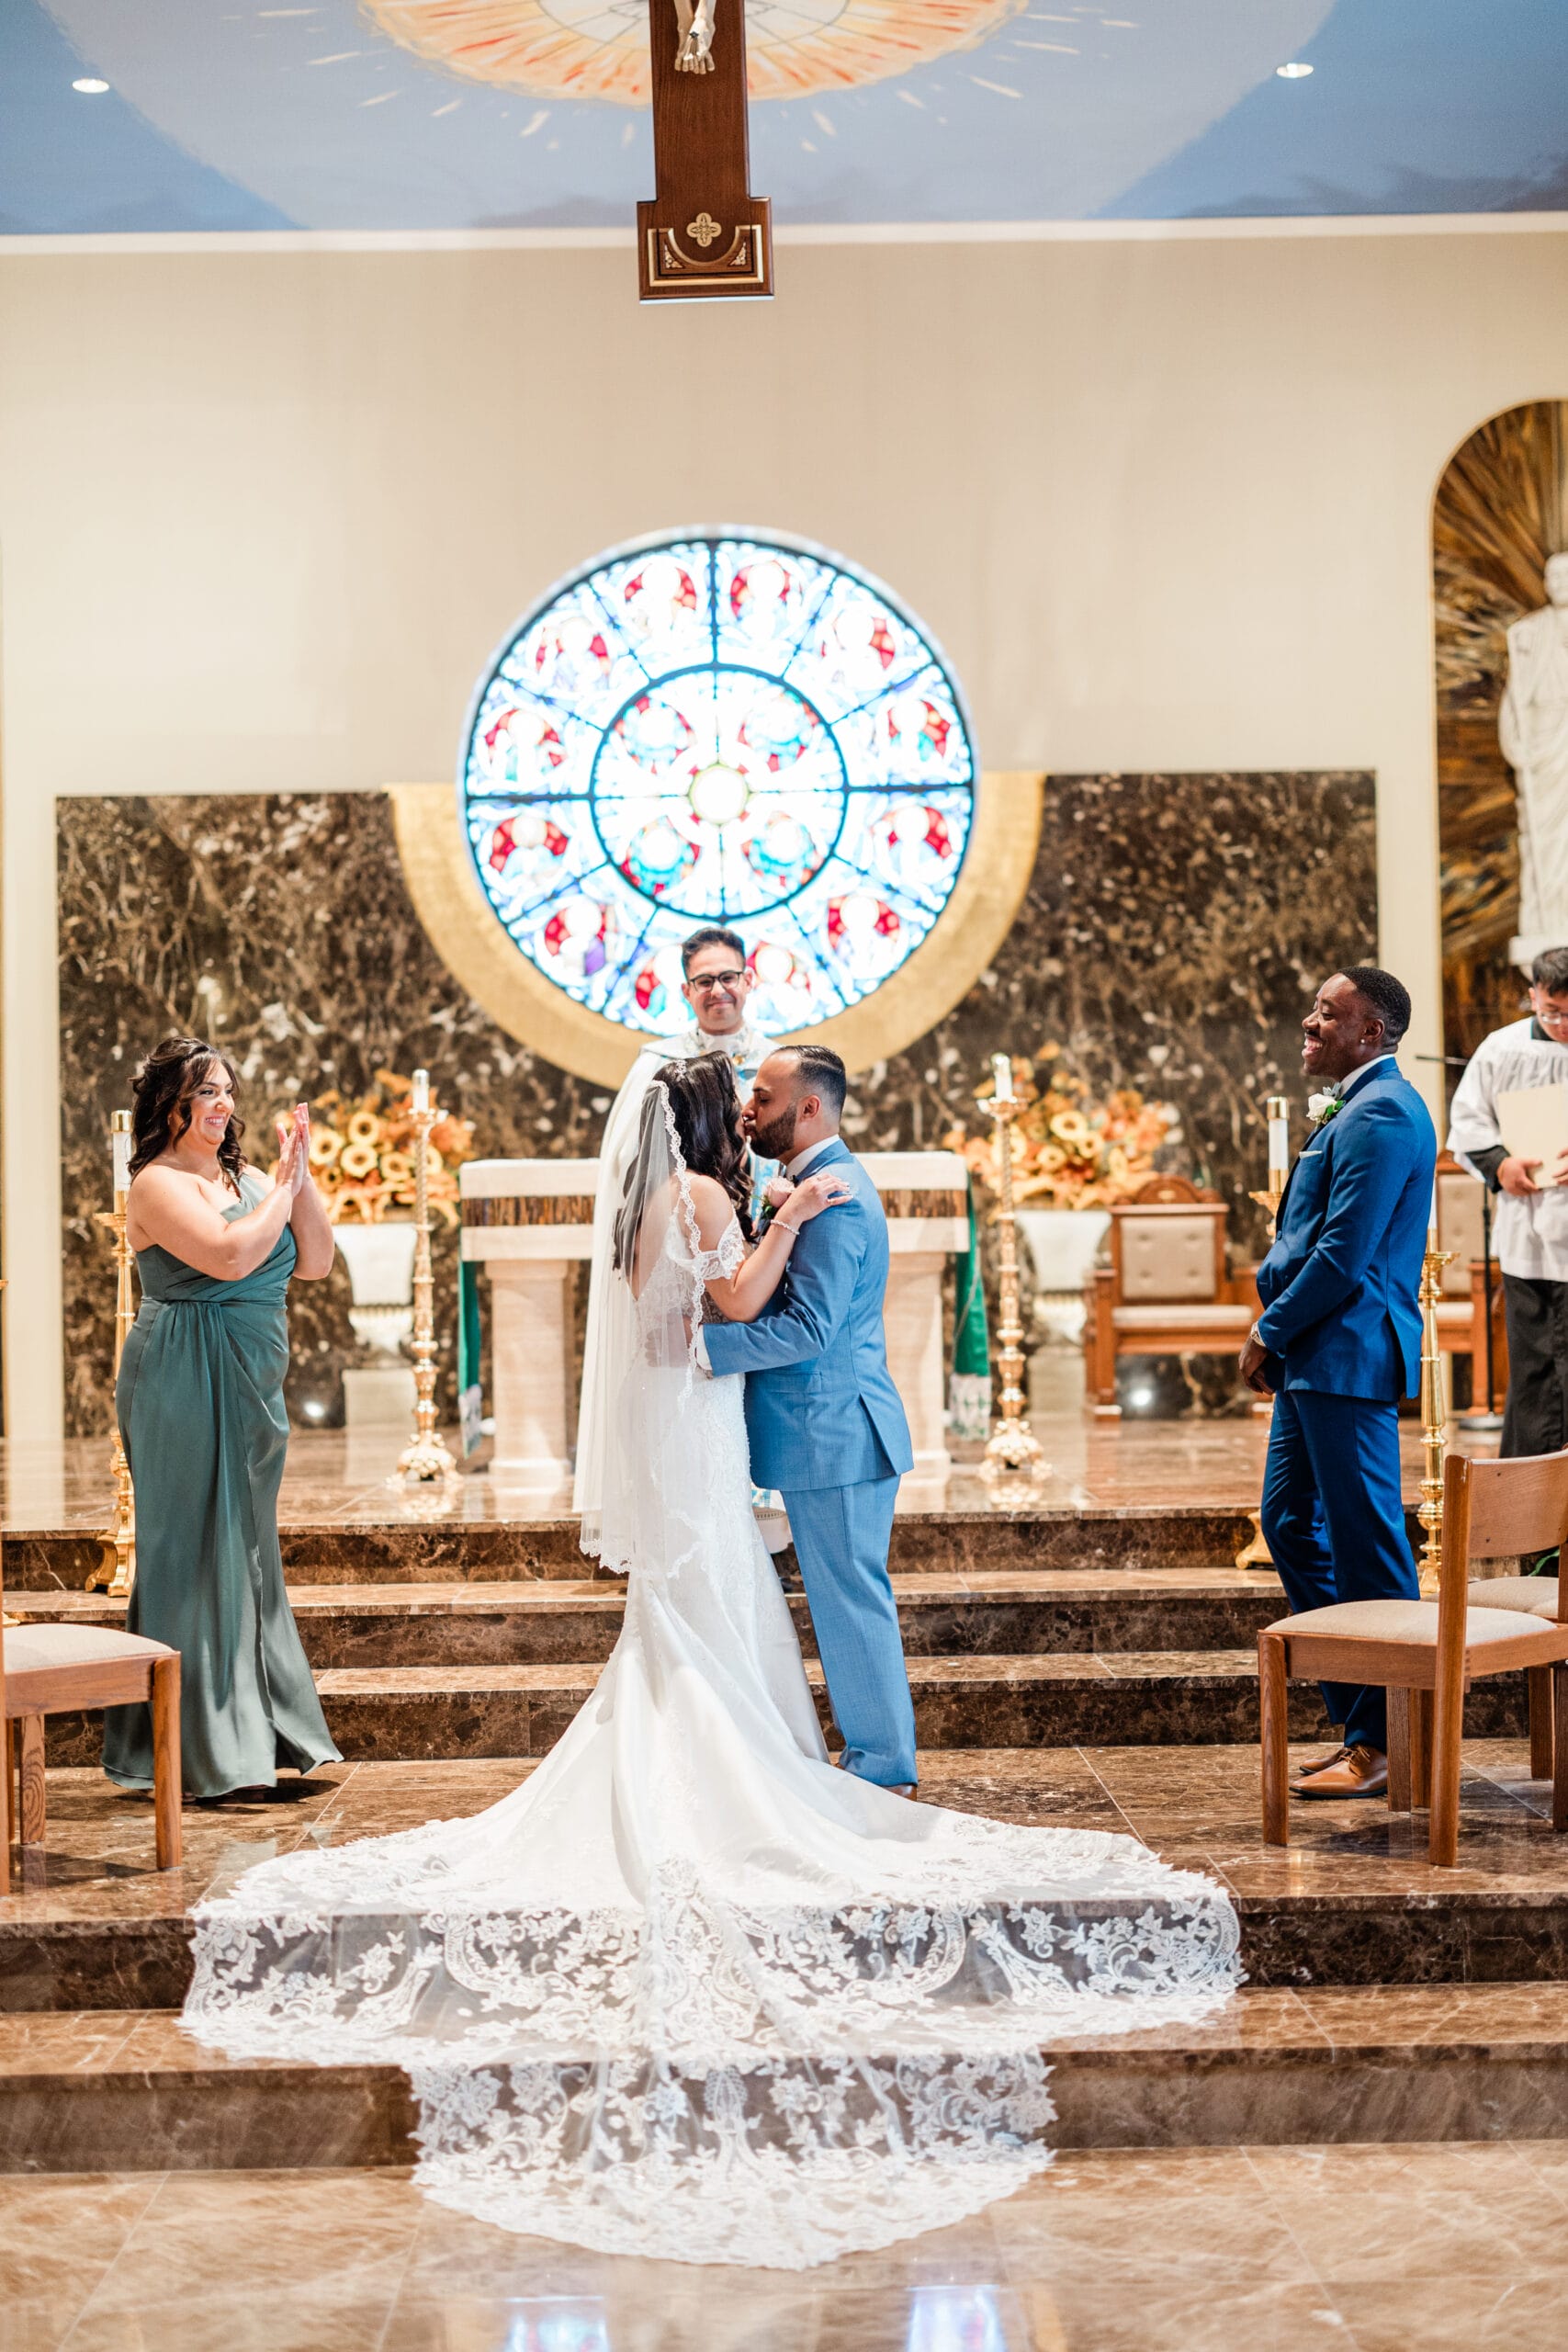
(705, 236)
(693, 53)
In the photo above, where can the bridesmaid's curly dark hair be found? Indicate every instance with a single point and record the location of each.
(706, 1106)
(162, 1092)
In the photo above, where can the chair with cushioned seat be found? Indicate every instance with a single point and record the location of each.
(1527, 1597)
(1168, 1289)
(1491, 1511)
(56, 1670)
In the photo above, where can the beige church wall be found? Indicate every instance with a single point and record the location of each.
(1166, 502)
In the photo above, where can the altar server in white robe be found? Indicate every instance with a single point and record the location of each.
(1532, 1229)
(718, 985)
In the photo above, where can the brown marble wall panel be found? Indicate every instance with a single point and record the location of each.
(1173, 928)
(279, 926)
(1173, 932)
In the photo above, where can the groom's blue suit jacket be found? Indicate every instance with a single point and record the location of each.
(822, 1409)
(1339, 1287)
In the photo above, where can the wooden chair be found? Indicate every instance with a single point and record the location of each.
(1529, 1597)
(1491, 1511)
(56, 1670)
(1167, 1290)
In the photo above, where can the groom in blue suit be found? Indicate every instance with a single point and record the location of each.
(823, 1417)
(1338, 1341)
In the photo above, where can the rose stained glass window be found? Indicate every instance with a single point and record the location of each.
(718, 729)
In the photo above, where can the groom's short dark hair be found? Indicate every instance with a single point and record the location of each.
(820, 1070)
(1385, 996)
(712, 935)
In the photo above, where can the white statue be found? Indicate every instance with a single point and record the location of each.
(1534, 727)
(695, 19)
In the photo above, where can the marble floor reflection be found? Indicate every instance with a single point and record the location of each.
(347, 1480)
(1365, 2249)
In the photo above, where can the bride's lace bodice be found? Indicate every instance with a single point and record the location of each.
(689, 1990)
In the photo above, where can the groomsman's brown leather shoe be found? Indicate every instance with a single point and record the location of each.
(1362, 1773)
(1319, 1764)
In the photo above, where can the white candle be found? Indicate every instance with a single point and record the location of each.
(1001, 1074)
(1279, 1136)
(119, 1143)
(422, 1089)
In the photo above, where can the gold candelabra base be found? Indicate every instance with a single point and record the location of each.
(1012, 1450)
(426, 1459)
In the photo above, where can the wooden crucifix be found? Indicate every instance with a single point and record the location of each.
(705, 236)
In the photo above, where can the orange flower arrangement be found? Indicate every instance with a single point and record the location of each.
(1068, 1150)
(362, 1153)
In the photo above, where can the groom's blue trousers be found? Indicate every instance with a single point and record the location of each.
(841, 1535)
(1335, 1522)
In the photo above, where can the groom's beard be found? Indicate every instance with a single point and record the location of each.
(776, 1141)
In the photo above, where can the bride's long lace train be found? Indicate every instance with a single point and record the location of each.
(689, 1990)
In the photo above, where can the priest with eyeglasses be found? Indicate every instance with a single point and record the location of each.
(717, 986)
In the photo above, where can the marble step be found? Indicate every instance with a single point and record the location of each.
(1352, 1900)
(127, 2090)
(448, 1546)
(548, 1620)
(1122, 1698)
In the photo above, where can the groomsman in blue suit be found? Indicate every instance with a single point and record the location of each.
(825, 1422)
(1338, 1341)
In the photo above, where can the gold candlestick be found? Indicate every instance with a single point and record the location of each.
(116, 1570)
(1012, 1450)
(426, 1458)
(1434, 1420)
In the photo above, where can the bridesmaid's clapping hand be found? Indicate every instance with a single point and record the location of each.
(293, 1152)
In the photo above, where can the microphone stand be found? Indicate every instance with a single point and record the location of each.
(1491, 1418)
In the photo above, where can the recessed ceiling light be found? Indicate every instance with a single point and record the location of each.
(1293, 73)
(90, 87)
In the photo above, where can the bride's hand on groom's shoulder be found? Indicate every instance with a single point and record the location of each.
(815, 1194)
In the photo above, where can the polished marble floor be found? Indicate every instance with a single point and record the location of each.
(1358, 2248)
(346, 1480)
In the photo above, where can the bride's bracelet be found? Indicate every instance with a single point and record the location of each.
(780, 1227)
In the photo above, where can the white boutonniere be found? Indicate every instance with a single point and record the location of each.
(1322, 1107)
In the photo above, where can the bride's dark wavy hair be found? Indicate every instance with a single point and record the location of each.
(705, 1107)
(162, 1093)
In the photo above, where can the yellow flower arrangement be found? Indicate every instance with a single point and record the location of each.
(1068, 1150)
(362, 1153)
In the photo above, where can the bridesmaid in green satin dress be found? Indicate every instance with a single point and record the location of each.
(201, 1415)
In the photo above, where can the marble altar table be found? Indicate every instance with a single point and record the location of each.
(528, 1222)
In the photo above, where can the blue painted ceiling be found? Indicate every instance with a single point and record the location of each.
(389, 114)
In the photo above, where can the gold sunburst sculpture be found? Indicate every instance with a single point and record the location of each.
(598, 49)
(1501, 509)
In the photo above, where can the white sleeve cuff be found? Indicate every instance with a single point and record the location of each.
(700, 1350)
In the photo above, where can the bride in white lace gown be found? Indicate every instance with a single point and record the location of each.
(690, 1991)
